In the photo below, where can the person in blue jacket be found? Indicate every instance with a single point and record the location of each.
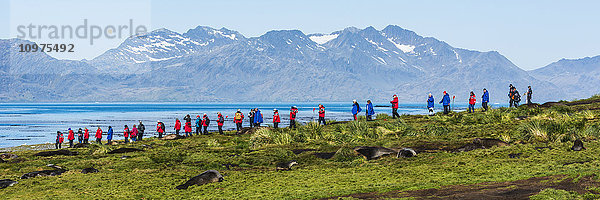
(198, 124)
(258, 118)
(485, 99)
(109, 134)
(355, 109)
(446, 102)
(370, 111)
(430, 104)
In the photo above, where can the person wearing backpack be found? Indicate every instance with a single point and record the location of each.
(71, 137)
(99, 135)
(59, 140)
(238, 119)
(126, 134)
(160, 128)
(188, 129)
(517, 98)
(134, 132)
(251, 117)
(109, 134)
(205, 123)
(80, 136)
(293, 112)
(276, 118)
(198, 124)
(394, 103)
(370, 111)
(321, 114)
(86, 135)
(187, 118)
(485, 99)
(355, 109)
(472, 100)
(177, 126)
(220, 122)
(141, 129)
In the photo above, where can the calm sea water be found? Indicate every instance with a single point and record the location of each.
(36, 123)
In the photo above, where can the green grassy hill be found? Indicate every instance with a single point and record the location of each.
(538, 156)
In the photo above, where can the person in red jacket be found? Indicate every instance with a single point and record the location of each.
(126, 134)
(394, 103)
(71, 137)
(134, 132)
(188, 129)
(99, 135)
(472, 100)
(177, 126)
(220, 121)
(276, 118)
(86, 135)
(160, 128)
(238, 119)
(59, 140)
(293, 112)
(321, 114)
(205, 123)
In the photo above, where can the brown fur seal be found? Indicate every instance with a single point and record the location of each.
(578, 145)
(4, 183)
(209, 176)
(374, 152)
(54, 172)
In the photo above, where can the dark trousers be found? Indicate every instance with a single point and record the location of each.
(187, 134)
(205, 130)
(485, 106)
(57, 145)
(528, 99)
(80, 139)
(251, 123)
(516, 104)
(238, 126)
(160, 134)
(322, 119)
(256, 124)
(369, 117)
(140, 135)
(471, 108)
(446, 109)
(395, 113)
(275, 124)
(99, 140)
(126, 139)
(292, 123)
(177, 131)
(510, 103)
(85, 140)
(198, 130)
(70, 143)
(220, 130)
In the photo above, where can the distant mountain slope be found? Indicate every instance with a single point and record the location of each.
(579, 78)
(207, 64)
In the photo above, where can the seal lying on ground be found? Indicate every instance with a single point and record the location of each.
(406, 153)
(482, 143)
(577, 145)
(285, 165)
(54, 172)
(4, 183)
(209, 176)
(124, 150)
(374, 152)
(172, 137)
(89, 170)
(8, 156)
(63, 152)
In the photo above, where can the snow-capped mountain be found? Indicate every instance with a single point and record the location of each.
(206, 64)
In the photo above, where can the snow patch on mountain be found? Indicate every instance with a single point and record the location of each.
(322, 39)
(404, 48)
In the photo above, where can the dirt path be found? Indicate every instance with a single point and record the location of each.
(520, 189)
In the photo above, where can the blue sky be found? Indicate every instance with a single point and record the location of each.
(532, 34)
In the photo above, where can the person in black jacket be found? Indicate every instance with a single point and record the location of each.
(529, 93)
(141, 129)
(517, 98)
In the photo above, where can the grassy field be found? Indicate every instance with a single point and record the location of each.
(541, 137)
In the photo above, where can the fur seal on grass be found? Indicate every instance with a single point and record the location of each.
(8, 156)
(172, 137)
(124, 150)
(577, 145)
(63, 152)
(374, 152)
(89, 170)
(209, 176)
(54, 172)
(4, 183)
(285, 165)
(406, 153)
